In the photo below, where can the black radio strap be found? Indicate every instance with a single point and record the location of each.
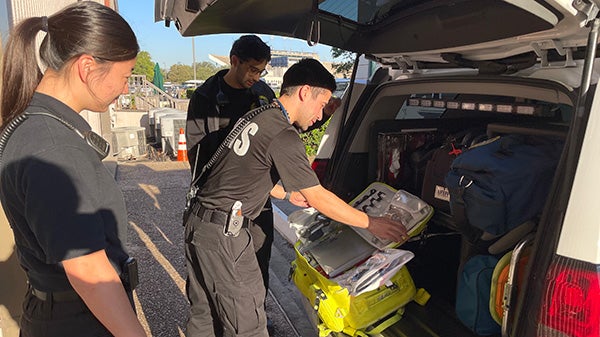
(94, 140)
(237, 129)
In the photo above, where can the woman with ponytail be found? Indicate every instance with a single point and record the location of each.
(66, 211)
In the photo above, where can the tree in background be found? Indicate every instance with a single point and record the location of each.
(347, 61)
(179, 73)
(205, 70)
(312, 139)
(144, 65)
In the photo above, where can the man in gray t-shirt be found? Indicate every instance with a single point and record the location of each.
(225, 286)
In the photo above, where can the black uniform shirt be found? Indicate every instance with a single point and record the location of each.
(268, 149)
(59, 198)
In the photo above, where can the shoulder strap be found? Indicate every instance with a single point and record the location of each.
(209, 89)
(235, 131)
(94, 140)
(9, 130)
(261, 93)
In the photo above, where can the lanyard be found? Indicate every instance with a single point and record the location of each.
(283, 110)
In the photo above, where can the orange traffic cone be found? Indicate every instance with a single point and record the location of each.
(182, 147)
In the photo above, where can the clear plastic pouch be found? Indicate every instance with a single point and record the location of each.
(382, 200)
(408, 209)
(375, 272)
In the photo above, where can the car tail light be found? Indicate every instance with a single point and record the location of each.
(320, 167)
(571, 303)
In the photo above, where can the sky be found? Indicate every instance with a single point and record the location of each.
(167, 47)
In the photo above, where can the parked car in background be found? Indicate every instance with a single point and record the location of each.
(174, 90)
(192, 84)
(454, 73)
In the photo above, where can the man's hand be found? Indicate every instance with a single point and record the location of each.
(386, 228)
(331, 106)
(296, 198)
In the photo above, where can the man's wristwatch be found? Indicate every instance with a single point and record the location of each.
(287, 196)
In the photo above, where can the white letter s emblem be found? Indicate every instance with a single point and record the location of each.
(240, 147)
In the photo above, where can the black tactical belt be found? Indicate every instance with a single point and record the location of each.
(55, 296)
(129, 279)
(215, 216)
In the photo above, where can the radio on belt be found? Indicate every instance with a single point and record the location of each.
(235, 221)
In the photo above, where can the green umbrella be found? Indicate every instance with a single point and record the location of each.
(158, 79)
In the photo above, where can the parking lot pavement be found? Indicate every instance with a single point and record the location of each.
(154, 194)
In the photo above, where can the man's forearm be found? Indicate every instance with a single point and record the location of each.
(335, 208)
(278, 192)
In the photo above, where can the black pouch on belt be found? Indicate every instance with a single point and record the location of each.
(129, 275)
(190, 202)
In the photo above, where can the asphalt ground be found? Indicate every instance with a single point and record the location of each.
(154, 193)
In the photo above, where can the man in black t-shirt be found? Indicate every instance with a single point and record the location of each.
(213, 110)
(224, 278)
(217, 105)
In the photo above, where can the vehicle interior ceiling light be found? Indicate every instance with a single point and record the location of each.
(522, 109)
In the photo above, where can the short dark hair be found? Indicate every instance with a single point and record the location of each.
(250, 47)
(307, 72)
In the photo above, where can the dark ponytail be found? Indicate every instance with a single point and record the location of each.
(84, 27)
(20, 71)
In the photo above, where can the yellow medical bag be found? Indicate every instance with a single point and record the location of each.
(353, 315)
(368, 313)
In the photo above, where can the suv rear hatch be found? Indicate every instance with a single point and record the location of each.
(398, 31)
(537, 42)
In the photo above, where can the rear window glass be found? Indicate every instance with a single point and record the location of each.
(364, 11)
(369, 12)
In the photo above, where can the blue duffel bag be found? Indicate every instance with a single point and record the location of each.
(473, 295)
(503, 182)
